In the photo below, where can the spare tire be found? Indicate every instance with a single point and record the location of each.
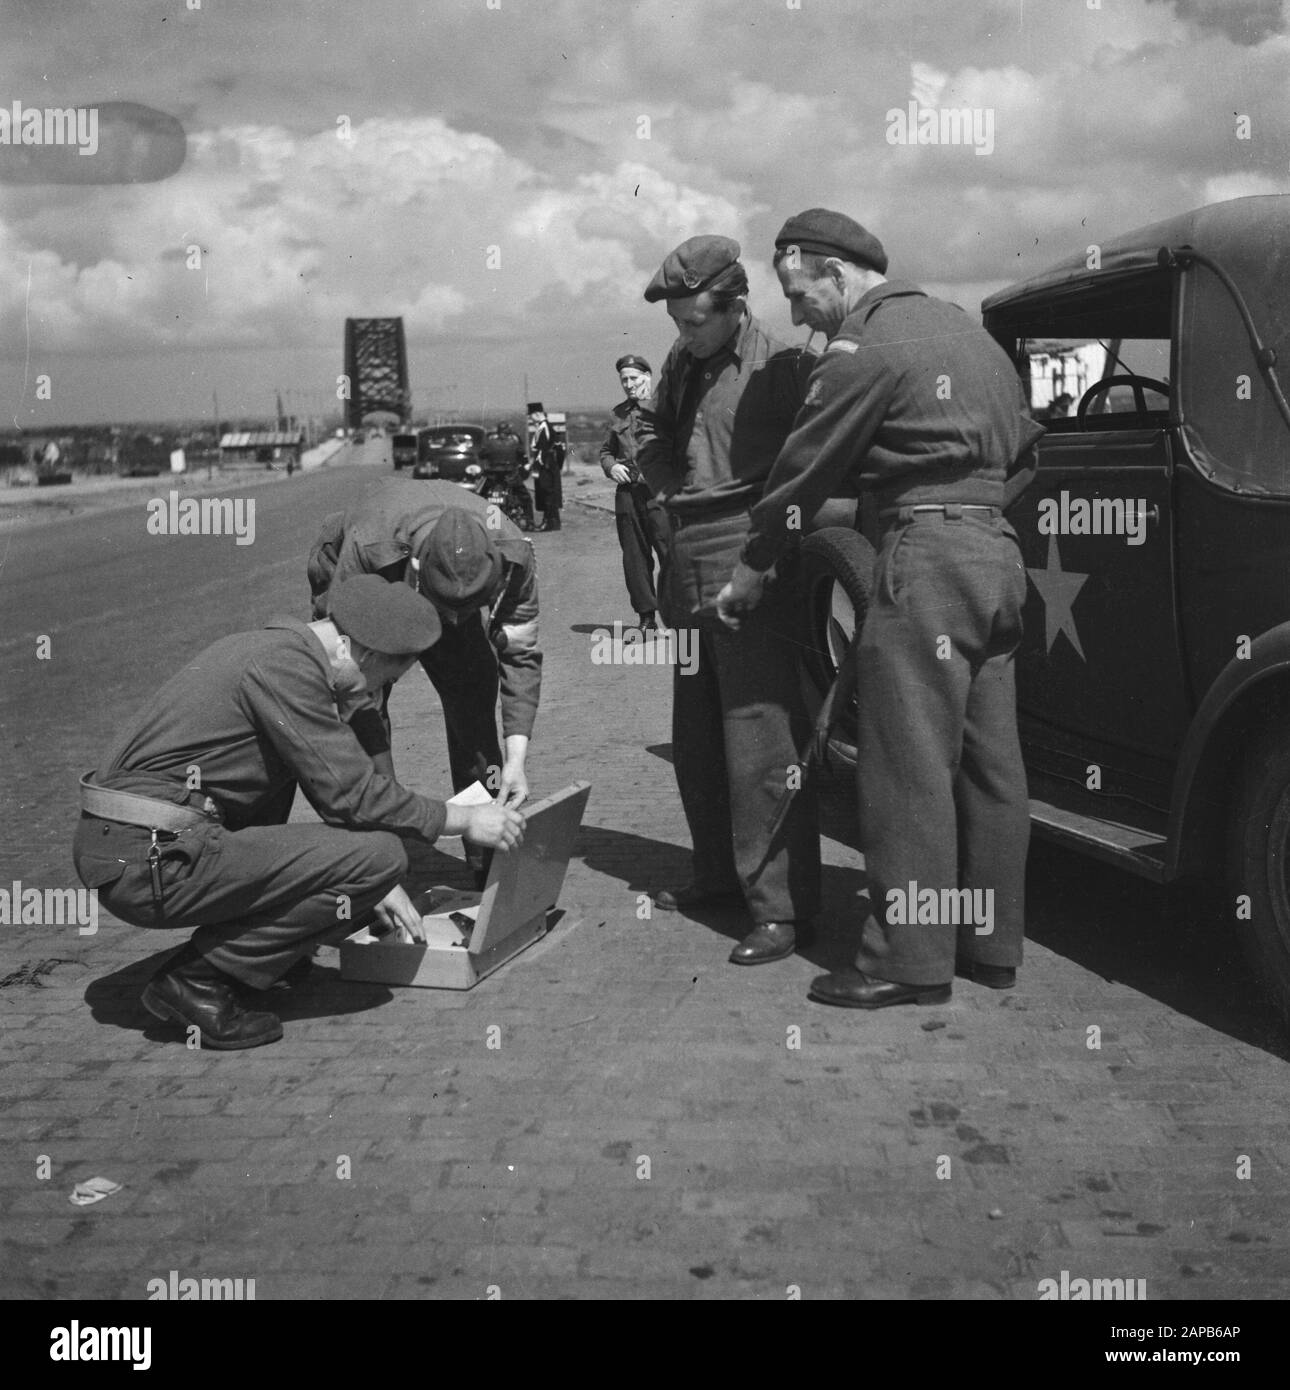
(837, 579)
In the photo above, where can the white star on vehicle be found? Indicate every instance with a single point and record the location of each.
(1058, 589)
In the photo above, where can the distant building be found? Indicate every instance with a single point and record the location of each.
(262, 446)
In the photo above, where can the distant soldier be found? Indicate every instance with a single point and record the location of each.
(184, 822)
(643, 527)
(548, 461)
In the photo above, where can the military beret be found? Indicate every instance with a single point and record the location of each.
(693, 267)
(388, 618)
(631, 360)
(833, 234)
(458, 565)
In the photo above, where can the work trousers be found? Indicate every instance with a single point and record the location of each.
(643, 533)
(462, 666)
(942, 788)
(259, 898)
(737, 723)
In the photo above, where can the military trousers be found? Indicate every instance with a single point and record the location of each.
(943, 801)
(738, 719)
(256, 899)
(643, 533)
(462, 666)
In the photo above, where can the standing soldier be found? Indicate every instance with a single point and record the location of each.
(548, 460)
(926, 406)
(184, 823)
(475, 566)
(726, 400)
(643, 527)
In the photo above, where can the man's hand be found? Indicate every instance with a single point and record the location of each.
(396, 913)
(494, 827)
(514, 788)
(740, 596)
(620, 473)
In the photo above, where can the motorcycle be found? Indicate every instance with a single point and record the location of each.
(502, 486)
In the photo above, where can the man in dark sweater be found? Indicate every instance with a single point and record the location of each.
(184, 821)
(727, 396)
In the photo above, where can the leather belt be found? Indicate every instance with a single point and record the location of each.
(951, 509)
(145, 811)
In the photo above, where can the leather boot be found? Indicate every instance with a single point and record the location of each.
(195, 994)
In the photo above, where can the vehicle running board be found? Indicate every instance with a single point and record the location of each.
(1139, 851)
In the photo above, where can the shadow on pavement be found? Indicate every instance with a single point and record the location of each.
(1171, 944)
(114, 998)
(646, 865)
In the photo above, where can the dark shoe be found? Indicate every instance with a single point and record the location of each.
(196, 994)
(991, 976)
(647, 622)
(770, 941)
(852, 989)
(695, 895)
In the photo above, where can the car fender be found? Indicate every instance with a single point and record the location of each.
(1250, 690)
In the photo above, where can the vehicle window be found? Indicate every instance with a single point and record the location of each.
(1063, 370)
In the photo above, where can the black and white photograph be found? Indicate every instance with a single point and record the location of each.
(646, 658)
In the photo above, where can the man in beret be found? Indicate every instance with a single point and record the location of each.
(477, 569)
(727, 397)
(184, 821)
(927, 409)
(643, 527)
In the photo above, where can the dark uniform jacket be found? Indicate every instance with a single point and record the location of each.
(914, 400)
(621, 444)
(714, 426)
(378, 536)
(244, 723)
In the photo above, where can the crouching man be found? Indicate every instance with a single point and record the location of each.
(183, 824)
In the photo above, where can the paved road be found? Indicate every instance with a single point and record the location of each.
(648, 1125)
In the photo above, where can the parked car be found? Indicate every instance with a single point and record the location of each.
(404, 448)
(1154, 674)
(446, 451)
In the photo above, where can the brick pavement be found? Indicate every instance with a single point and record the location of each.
(647, 1127)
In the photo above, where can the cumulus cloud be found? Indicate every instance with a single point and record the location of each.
(271, 239)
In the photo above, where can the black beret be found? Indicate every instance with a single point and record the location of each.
(631, 360)
(693, 267)
(388, 618)
(458, 565)
(833, 234)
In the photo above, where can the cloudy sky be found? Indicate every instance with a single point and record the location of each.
(507, 174)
